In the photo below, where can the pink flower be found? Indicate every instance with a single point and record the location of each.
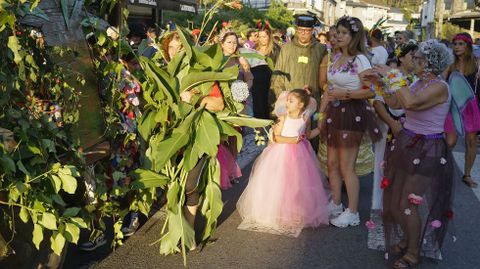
(382, 164)
(436, 224)
(370, 224)
(415, 199)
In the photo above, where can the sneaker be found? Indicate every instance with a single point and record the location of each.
(132, 226)
(92, 245)
(335, 210)
(346, 219)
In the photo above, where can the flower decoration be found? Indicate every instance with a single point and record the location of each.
(370, 225)
(416, 161)
(376, 130)
(407, 211)
(358, 119)
(392, 148)
(382, 164)
(239, 91)
(415, 199)
(329, 120)
(195, 32)
(398, 52)
(385, 183)
(343, 109)
(436, 224)
(443, 160)
(344, 136)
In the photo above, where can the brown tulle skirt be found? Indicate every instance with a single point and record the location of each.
(423, 166)
(345, 124)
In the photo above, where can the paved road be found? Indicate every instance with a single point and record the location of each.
(325, 247)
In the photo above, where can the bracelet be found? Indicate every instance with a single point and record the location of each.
(321, 116)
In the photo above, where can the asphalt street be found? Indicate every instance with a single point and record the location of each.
(324, 247)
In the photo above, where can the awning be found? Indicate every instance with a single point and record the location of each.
(183, 5)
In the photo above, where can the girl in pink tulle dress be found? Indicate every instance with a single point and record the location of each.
(286, 192)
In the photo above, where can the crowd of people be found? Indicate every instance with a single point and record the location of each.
(343, 99)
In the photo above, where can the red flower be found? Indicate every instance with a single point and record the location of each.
(195, 32)
(385, 183)
(130, 115)
(449, 214)
(224, 24)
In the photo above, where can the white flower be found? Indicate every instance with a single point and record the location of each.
(393, 141)
(239, 91)
(392, 148)
(375, 130)
(344, 136)
(343, 109)
(357, 118)
(329, 120)
(416, 161)
(454, 239)
(386, 255)
(407, 212)
(424, 241)
(443, 160)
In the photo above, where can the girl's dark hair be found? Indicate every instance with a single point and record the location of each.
(302, 95)
(405, 48)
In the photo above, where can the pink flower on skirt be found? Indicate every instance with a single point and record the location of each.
(415, 199)
(382, 164)
(436, 224)
(385, 183)
(370, 224)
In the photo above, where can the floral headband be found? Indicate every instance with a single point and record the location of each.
(463, 37)
(351, 21)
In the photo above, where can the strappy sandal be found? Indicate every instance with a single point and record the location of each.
(406, 261)
(467, 179)
(397, 249)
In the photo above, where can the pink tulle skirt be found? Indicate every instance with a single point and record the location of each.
(470, 118)
(285, 192)
(229, 168)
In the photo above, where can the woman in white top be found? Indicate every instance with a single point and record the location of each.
(348, 117)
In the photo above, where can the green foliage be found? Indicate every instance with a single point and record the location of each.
(38, 107)
(278, 15)
(449, 30)
(179, 136)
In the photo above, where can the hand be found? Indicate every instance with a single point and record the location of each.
(186, 96)
(382, 69)
(336, 94)
(369, 76)
(244, 64)
(396, 127)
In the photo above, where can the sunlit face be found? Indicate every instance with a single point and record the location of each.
(304, 34)
(174, 47)
(294, 105)
(419, 63)
(459, 47)
(322, 39)
(332, 36)
(407, 61)
(263, 38)
(344, 37)
(229, 45)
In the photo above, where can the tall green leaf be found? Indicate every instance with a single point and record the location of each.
(57, 242)
(66, 17)
(148, 179)
(195, 78)
(37, 236)
(15, 48)
(246, 121)
(213, 205)
(207, 134)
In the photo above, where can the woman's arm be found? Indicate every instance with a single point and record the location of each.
(382, 112)
(323, 73)
(213, 104)
(434, 94)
